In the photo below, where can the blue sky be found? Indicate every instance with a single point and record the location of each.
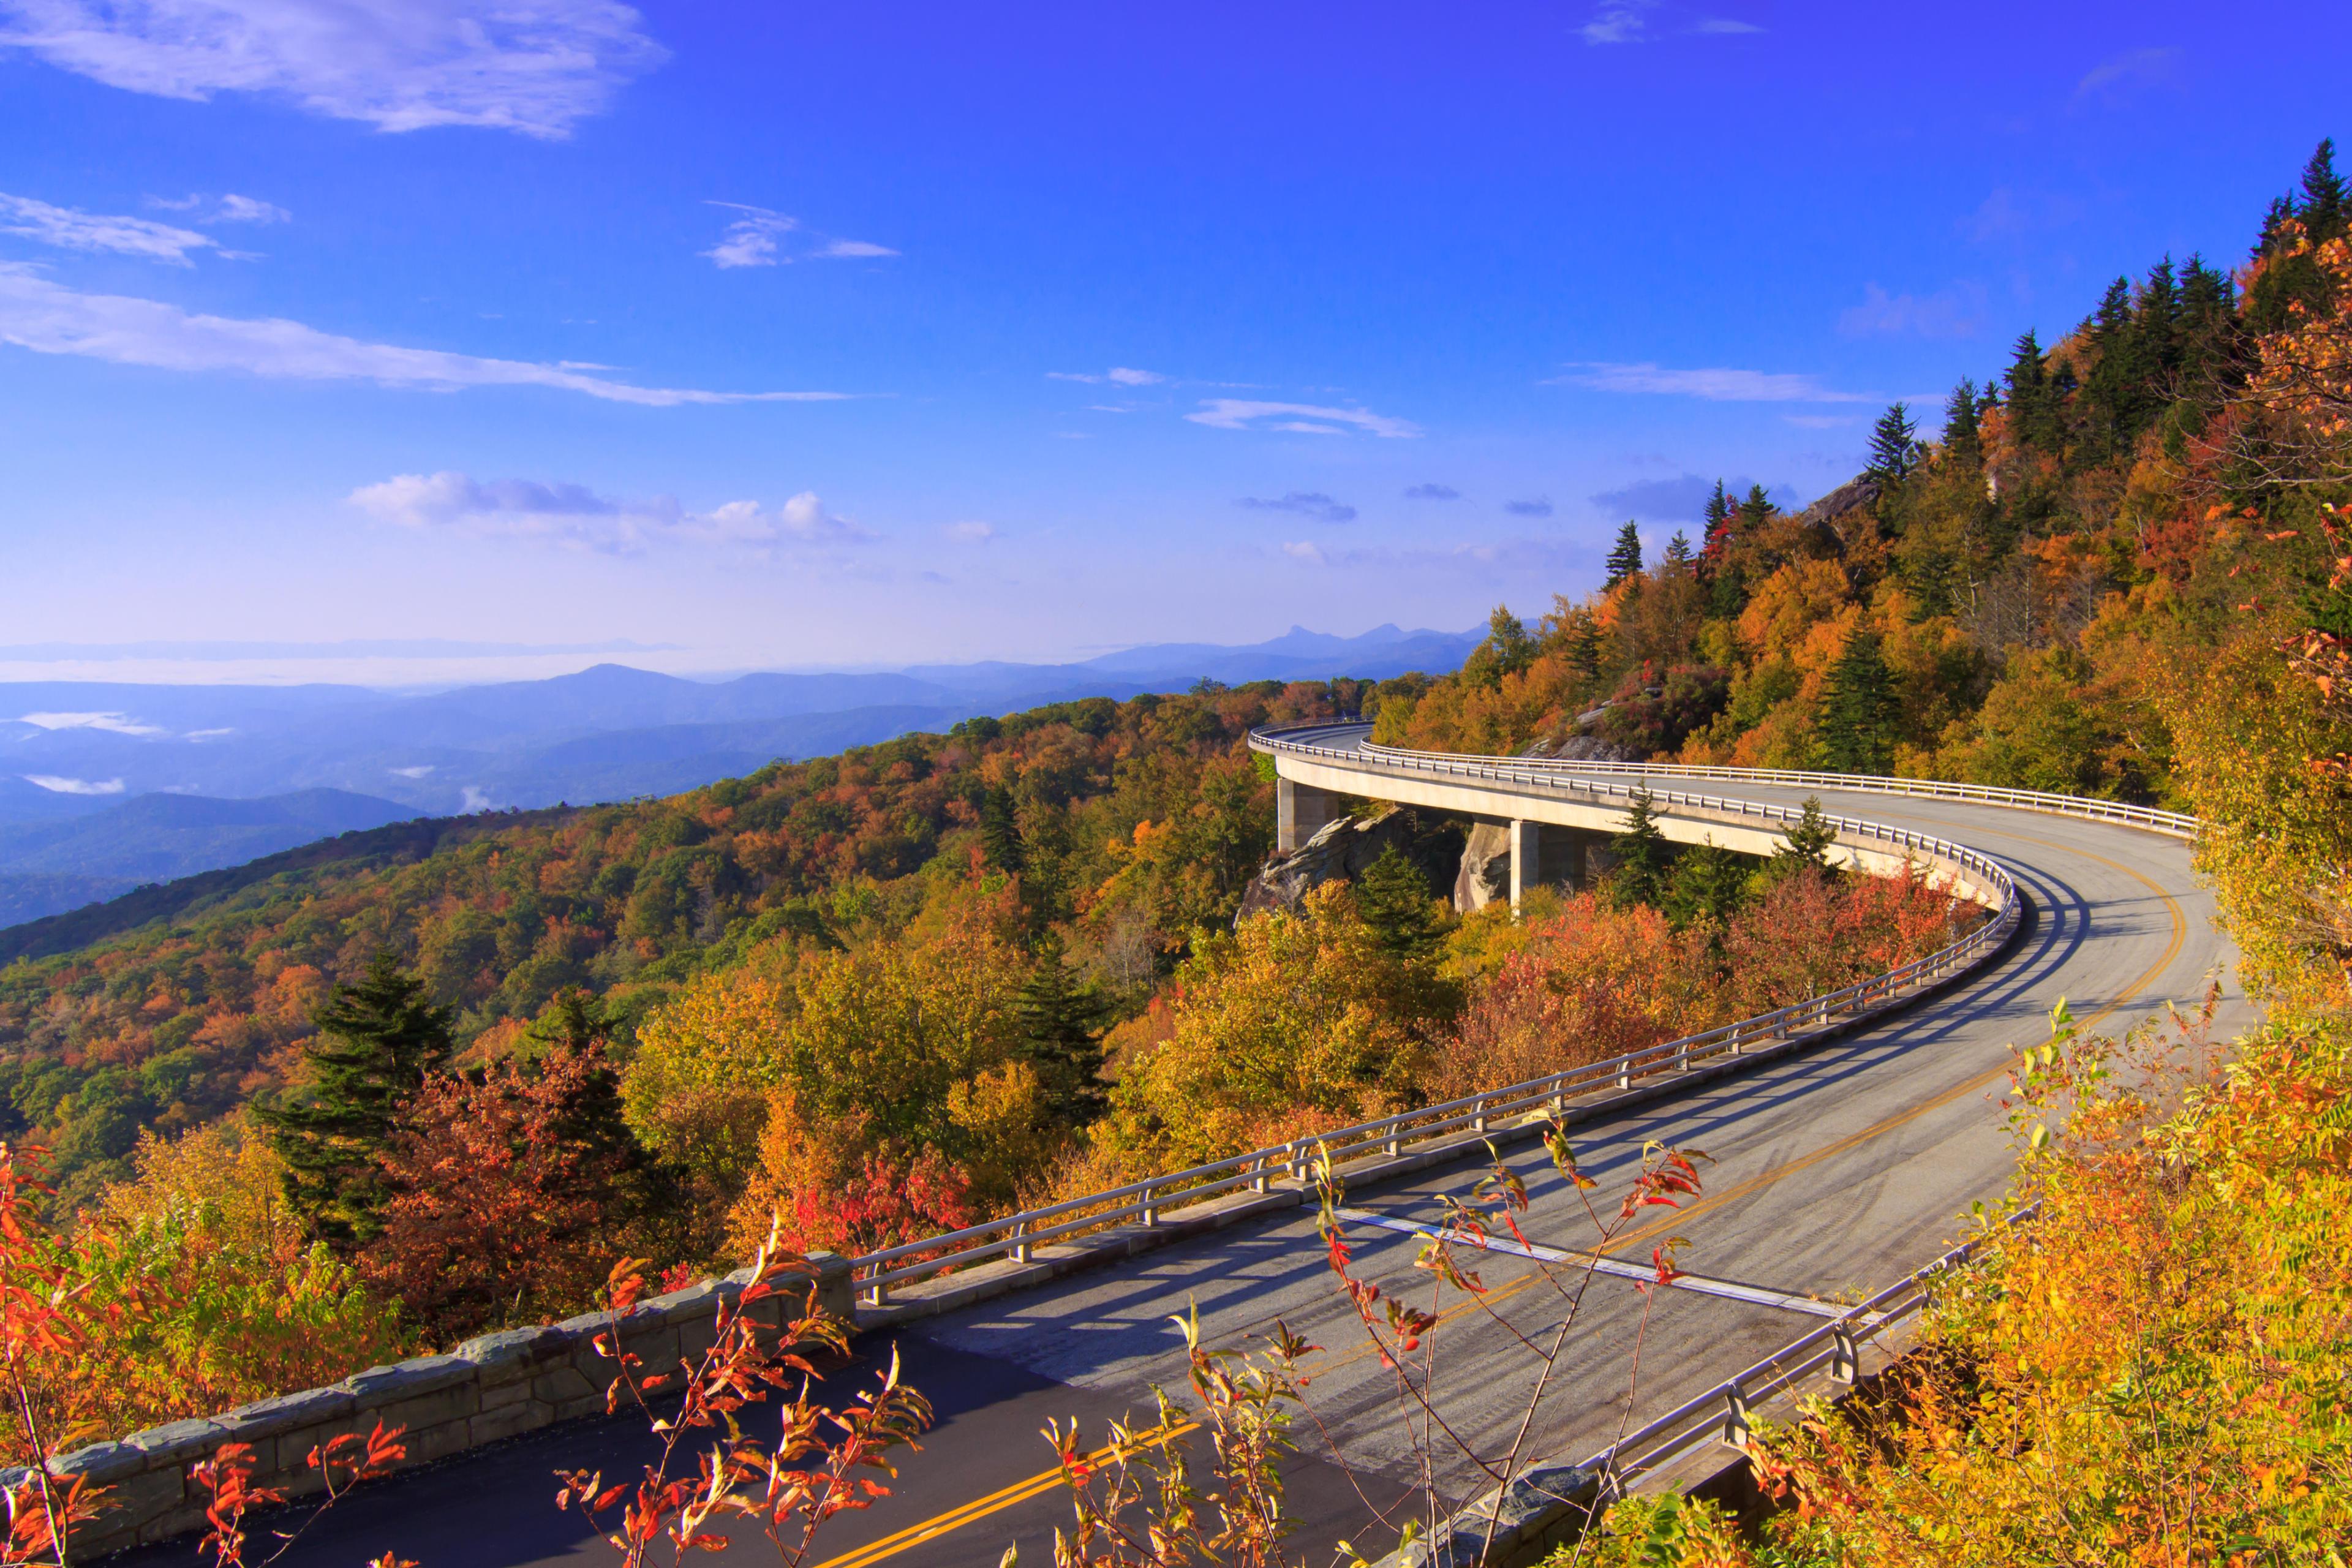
(792, 335)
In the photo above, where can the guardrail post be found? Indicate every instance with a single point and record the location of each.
(876, 1293)
(1625, 1073)
(1845, 1356)
(1020, 1241)
(1263, 1179)
(1150, 1207)
(1735, 1431)
(1478, 1115)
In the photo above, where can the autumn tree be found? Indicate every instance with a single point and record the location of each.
(377, 1041)
(501, 1198)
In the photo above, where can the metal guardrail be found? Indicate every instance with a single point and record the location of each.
(2176, 823)
(1150, 1202)
(1721, 1414)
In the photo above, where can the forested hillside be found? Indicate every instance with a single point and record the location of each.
(2021, 600)
(1129, 823)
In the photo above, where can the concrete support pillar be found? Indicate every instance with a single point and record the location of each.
(1545, 855)
(1300, 811)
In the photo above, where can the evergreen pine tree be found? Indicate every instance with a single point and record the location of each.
(1755, 508)
(1678, 550)
(1718, 510)
(1000, 830)
(1963, 442)
(1856, 733)
(1061, 1021)
(376, 1041)
(1398, 905)
(2322, 208)
(1642, 853)
(1625, 558)
(1894, 447)
(2032, 405)
(1804, 842)
(1714, 537)
(1709, 884)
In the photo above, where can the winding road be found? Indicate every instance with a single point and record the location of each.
(1832, 1172)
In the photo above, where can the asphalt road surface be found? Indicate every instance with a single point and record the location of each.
(1832, 1174)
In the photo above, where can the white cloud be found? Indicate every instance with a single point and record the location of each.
(1954, 312)
(756, 239)
(48, 318)
(1117, 375)
(71, 229)
(116, 723)
(575, 517)
(472, 798)
(418, 772)
(537, 66)
(59, 785)
(972, 532)
(1731, 24)
(1305, 549)
(1237, 413)
(1717, 385)
(235, 208)
(207, 734)
(1624, 23)
(2115, 80)
(1306, 503)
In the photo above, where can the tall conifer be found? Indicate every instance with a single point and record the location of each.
(1625, 557)
(1894, 447)
(376, 1041)
(1856, 732)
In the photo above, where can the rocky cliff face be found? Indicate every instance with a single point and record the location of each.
(1344, 849)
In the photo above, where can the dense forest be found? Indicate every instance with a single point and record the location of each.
(368, 1097)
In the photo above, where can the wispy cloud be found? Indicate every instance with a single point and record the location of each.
(2112, 81)
(69, 228)
(760, 238)
(1431, 492)
(1535, 506)
(416, 771)
(1312, 419)
(1724, 24)
(1954, 312)
(228, 208)
(43, 316)
(972, 532)
(1618, 24)
(1117, 375)
(58, 785)
(1715, 386)
(116, 723)
(538, 67)
(1305, 549)
(578, 518)
(1306, 503)
(1820, 421)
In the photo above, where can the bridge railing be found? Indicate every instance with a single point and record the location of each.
(1564, 1499)
(2176, 823)
(1154, 1201)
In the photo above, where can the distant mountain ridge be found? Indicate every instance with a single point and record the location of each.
(105, 786)
(49, 867)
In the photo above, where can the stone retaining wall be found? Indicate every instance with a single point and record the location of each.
(487, 1388)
